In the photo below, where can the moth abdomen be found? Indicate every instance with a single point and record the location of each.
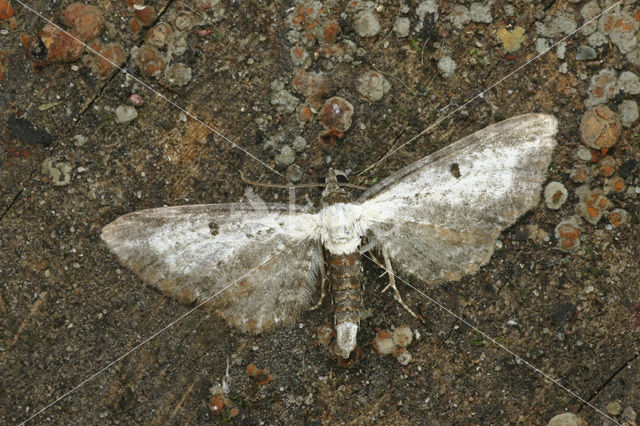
(344, 274)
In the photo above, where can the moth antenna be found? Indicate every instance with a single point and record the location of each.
(276, 185)
(300, 185)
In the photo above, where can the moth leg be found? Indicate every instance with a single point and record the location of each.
(392, 284)
(323, 292)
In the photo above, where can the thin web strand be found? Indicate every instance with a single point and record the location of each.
(481, 94)
(156, 92)
(154, 335)
(268, 167)
(492, 340)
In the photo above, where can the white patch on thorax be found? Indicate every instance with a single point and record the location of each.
(341, 228)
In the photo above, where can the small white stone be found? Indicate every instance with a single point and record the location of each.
(566, 419)
(597, 39)
(628, 111)
(459, 16)
(561, 50)
(629, 83)
(125, 113)
(404, 358)
(372, 85)
(402, 336)
(481, 12)
(383, 345)
(446, 66)
(366, 24)
(583, 153)
(402, 26)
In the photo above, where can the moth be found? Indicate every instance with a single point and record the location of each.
(437, 220)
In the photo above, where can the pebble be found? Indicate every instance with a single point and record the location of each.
(618, 217)
(80, 140)
(145, 14)
(589, 11)
(480, 12)
(561, 50)
(614, 408)
(510, 39)
(629, 83)
(300, 57)
(402, 335)
(60, 172)
(294, 173)
(607, 166)
(555, 195)
(567, 233)
(260, 376)
(299, 144)
(556, 25)
(583, 153)
(60, 46)
(446, 66)
(158, 35)
(324, 334)
(628, 168)
(427, 6)
(313, 86)
(136, 100)
(284, 101)
(336, 113)
(216, 404)
(621, 28)
(404, 357)
(111, 56)
(177, 44)
(149, 60)
(459, 16)
(628, 111)
(563, 68)
(586, 53)
(581, 173)
(615, 184)
(366, 23)
(6, 11)
(629, 415)
(597, 39)
(85, 21)
(603, 87)
(285, 157)
(178, 74)
(402, 26)
(600, 128)
(566, 419)
(184, 22)
(592, 206)
(125, 113)
(383, 343)
(543, 45)
(373, 86)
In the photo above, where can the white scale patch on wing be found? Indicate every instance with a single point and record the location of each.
(438, 218)
(193, 252)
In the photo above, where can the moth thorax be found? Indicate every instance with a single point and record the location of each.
(344, 272)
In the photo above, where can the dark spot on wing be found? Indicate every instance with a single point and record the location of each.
(455, 170)
(213, 228)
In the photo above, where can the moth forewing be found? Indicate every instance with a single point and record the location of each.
(255, 267)
(437, 219)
